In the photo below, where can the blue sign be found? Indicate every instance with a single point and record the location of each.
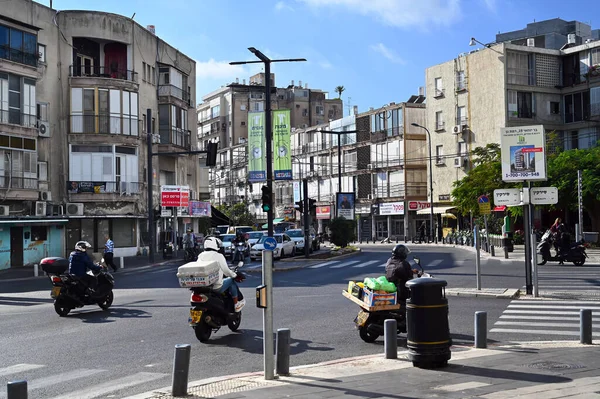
(483, 199)
(270, 243)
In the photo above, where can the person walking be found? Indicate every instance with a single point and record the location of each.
(109, 249)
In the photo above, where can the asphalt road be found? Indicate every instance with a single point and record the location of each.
(129, 349)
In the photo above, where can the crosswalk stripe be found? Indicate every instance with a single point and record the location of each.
(383, 264)
(435, 262)
(19, 368)
(532, 317)
(545, 332)
(59, 378)
(324, 264)
(553, 307)
(344, 264)
(535, 324)
(112, 386)
(551, 303)
(546, 312)
(365, 264)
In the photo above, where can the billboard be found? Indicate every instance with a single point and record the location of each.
(281, 144)
(345, 205)
(324, 212)
(523, 153)
(391, 208)
(175, 196)
(256, 147)
(200, 209)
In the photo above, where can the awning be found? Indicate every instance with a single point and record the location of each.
(500, 208)
(33, 221)
(436, 209)
(275, 221)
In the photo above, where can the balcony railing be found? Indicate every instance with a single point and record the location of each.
(104, 187)
(170, 90)
(175, 136)
(18, 118)
(18, 56)
(98, 71)
(27, 183)
(105, 124)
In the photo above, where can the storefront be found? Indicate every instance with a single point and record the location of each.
(390, 222)
(323, 218)
(123, 231)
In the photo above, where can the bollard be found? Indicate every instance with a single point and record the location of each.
(492, 251)
(390, 339)
(16, 390)
(283, 351)
(481, 330)
(585, 326)
(396, 239)
(36, 271)
(181, 368)
(122, 262)
(505, 252)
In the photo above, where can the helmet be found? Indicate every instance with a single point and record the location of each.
(82, 246)
(400, 251)
(212, 244)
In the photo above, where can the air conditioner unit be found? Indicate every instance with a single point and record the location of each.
(58, 210)
(43, 129)
(571, 38)
(531, 42)
(457, 162)
(156, 138)
(464, 128)
(45, 196)
(4, 210)
(40, 208)
(465, 162)
(457, 129)
(74, 209)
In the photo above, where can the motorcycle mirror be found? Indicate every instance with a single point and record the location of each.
(417, 260)
(240, 264)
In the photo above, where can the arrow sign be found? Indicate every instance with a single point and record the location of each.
(507, 196)
(270, 243)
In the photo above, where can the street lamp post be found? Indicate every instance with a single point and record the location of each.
(430, 181)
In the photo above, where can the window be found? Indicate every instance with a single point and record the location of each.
(595, 101)
(144, 71)
(153, 75)
(397, 122)
(39, 233)
(105, 116)
(320, 110)
(377, 122)
(519, 67)
(439, 87)
(18, 46)
(439, 154)
(259, 106)
(595, 56)
(439, 120)
(163, 78)
(17, 100)
(42, 53)
(42, 112)
(577, 106)
(462, 149)
(42, 171)
(18, 162)
(130, 113)
(520, 104)
(554, 107)
(461, 81)
(215, 111)
(461, 115)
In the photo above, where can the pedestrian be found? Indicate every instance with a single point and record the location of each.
(109, 249)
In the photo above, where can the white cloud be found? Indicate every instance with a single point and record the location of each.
(282, 5)
(387, 53)
(490, 4)
(212, 69)
(400, 13)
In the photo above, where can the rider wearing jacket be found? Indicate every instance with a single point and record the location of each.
(239, 239)
(398, 270)
(80, 262)
(211, 254)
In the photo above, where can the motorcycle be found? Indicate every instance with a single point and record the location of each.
(370, 320)
(190, 254)
(211, 310)
(69, 292)
(574, 253)
(240, 252)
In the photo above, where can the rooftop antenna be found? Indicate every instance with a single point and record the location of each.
(349, 106)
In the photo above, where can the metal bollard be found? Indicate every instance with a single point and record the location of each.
(585, 326)
(481, 330)
(16, 390)
(505, 252)
(283, 351)
(390, 339)
(181, 368)
(492, 251)
(122, 262)
(36, 271)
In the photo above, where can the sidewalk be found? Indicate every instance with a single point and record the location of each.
(532, 370)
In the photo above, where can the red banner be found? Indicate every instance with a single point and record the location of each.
(177, 196)
(323, 212)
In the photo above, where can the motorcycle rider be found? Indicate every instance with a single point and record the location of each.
(188, 243)
(80, 262)
(239, 239)
(398, 270)
(211, 254)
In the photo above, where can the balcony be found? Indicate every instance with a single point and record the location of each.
(24, 183)
(104, 124)
(18, 118)
(99, 71)
(19, 56)
(174, 91)
(175, 137)
(103, 190)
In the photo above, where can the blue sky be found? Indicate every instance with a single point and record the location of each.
(377, 49)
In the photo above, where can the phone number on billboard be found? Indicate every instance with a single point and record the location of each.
(522, 174)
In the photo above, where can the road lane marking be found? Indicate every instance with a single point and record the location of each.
(435, 262)
(324, 264)
(535, 324)
(546, 312)
(552, 306)
(19, 368)
(552, 302)
(365, 264)
(531, 317)
(462, 386)
(545, 332)
(95, 391)
(344, 264)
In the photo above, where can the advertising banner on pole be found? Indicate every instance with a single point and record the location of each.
(523, 153)
(345, 205)
(281, 144)
(177, 196)
(256, 147)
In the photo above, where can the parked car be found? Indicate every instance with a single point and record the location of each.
(285, 247)
(297, 235)
(227, 247)
(254, 236)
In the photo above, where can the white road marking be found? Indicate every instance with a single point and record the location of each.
(462, 386)
(344, 264)
(112, 386)
(537, 332)
(19, 368)
(324, 264)
(365, 264)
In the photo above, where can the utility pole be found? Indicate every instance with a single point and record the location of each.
(306, 216)
(433, 238)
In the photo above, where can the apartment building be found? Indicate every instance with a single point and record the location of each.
(75, 90)
(223, 118)
(550, 78)
(383, 163)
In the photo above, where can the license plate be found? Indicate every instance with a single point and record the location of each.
(55, 292)
(195, 316)
(361, 318)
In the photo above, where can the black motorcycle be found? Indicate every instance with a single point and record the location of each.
(211, 310)
(69, 292)
(567, 251)
(190, 254)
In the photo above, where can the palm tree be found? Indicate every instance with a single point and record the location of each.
(339, 90)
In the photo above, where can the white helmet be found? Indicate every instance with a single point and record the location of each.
(82, 246)
(213, 243)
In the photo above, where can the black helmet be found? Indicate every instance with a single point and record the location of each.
(400, 251)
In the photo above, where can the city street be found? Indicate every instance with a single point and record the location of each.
(129, 349)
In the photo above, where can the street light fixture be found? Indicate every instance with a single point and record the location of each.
(430, 180)
(474, 41)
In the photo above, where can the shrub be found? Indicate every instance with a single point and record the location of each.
(342, 231)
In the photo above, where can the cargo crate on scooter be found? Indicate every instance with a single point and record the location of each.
(198, 274)
(372, 298)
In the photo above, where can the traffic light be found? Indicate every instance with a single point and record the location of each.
(312, 204)
(300, 205)
(267, 201)
(211, 154)
(157, 214)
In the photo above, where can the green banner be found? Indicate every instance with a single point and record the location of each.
(256, 147)
(281, 144)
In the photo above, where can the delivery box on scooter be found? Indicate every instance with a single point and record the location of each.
(372, 298)
(198, 274)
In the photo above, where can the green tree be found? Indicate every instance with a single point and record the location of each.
(339, 90)
(342, 231)
(562, 174)
(238, 214)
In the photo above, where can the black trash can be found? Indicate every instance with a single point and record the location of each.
(428, 333)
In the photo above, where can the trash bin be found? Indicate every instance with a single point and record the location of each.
(428, 333)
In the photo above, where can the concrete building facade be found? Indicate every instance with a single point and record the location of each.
(74, 95)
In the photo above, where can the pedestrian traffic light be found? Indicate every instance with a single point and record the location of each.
(312, 204)
(211, 154)
(300, 205)
(267, 201)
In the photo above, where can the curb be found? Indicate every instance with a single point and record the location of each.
(509, 293)
(302, 266)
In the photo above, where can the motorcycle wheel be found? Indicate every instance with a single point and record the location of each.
(60, 309)
(579, 262)
(108, 300)
(203, 331)
(234, 324)
(366, 335)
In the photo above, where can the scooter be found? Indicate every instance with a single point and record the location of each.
(575, 252)
(370, 320)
